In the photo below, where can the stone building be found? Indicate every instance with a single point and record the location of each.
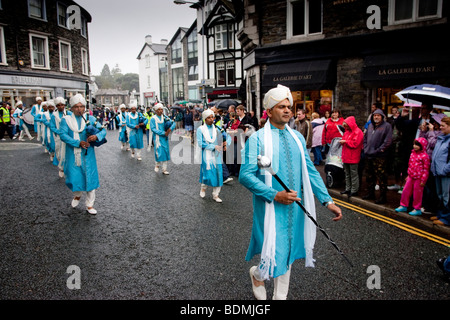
(40, 55)
(343, 53)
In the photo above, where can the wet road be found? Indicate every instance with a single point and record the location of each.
(154, 238)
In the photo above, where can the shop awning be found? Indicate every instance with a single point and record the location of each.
(300, 76)
(403, 69)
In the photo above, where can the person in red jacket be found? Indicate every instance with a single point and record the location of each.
(352, 143)
(331, 129)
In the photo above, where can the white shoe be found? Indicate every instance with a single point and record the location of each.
(166, 172)
(202, 193)
(91, 210)
(121, 148)
(61, 174)
(31, 138)
(228, 180)
(21, 139)
(139, 159)
(75, 202)
(132, 155)
(258, 292)
(156, 169)
(217, 199)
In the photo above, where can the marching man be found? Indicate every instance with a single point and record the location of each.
(24, 129)
(136, 123)
(123, 134)
(212, 142)
(80, 166)
(281, 232)
(55, 123)
(161, 137)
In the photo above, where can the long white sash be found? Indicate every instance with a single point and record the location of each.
(209, 154)
(269, 245)
(73, 125)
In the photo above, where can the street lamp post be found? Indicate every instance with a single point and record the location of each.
(197, 4)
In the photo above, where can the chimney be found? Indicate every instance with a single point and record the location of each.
(164, 41)
(148, 39)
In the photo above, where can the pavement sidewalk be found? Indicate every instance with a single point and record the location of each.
(422, 222)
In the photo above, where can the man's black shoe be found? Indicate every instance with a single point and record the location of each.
(345, 192)
(354, 194)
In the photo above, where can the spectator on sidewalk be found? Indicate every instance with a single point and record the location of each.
(331, 129)
(303, 126)
(377, 140)
(317, 125)
(440, 167)
(352, 144)
(418, 171)
(394, 152)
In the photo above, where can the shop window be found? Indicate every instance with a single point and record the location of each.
(304, 17)
(407, 11)
(39, 52)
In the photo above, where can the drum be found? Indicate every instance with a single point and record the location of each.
(28, 117)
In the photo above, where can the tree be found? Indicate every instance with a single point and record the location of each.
(112, 79)
(105, 71)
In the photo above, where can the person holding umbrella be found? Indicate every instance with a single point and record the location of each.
(281, 233)
(80, 165)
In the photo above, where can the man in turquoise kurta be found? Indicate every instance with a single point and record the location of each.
(211, 141)
(55, 123)
(136, 123)
(161, 137)
(49, 138)
(292, 234)
(80, 165)
(123, 135)
(35, 110)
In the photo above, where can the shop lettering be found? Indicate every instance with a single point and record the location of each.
(410, 70)
(292, 78)
(26, 80)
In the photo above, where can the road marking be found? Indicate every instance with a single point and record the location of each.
(395, 223)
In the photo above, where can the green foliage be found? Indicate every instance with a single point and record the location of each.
(113, 79)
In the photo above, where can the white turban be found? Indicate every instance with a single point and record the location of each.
(77, 99)
(18, 103)
(38, 98)
(276, 95)
(207, 113)
(122, 106)
(157, 106)
(44, 103)
(60, 100)
(51, 103)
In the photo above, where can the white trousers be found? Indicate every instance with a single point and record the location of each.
(215, 192)
(24, 131)
(163, 164)
(280, 284)
(137, 152)
(90, 197)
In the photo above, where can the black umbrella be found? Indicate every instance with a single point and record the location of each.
(224, 104)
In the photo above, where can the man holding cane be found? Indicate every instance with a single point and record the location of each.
(281, 232)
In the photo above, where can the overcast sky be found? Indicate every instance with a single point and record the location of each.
(118, 29)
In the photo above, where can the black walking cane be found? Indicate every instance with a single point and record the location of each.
(266, 164)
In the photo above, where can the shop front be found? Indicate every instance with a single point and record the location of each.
(311, 83)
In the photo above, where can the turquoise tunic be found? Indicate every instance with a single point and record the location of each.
(123, 128)
(289, 219)
(49, 138)
(163, 152)
(55, 130)
(34, 113)
(85, 177)
(214, 176)
(136, 135)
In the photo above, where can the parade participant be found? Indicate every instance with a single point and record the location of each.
(19, 115)
(40, 125)
(161, 137)
(281, 233)
(136, 122)
(123, 134)
(80, 165)
(49, 138)
(55, 123)
(35, 110)
(148, 132)
(211, 141)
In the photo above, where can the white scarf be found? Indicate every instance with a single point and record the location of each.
(158, 122)
(47, 116)
(73, 125)
(60, 146)
(269, 244)
(209, 154)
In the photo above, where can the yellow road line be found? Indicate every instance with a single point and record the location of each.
(398, 224)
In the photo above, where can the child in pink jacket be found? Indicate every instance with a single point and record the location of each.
(418, 171)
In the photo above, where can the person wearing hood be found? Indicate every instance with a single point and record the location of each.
(352, 144)
(440, 168)
(377, 140)
(418, 171)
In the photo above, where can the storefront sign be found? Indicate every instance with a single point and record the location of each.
(411, 70)
(31, 81)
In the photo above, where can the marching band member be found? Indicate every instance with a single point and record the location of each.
(136, 122)
(55, 123)
(123, 134)
(161, 137)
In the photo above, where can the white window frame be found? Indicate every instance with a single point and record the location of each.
(69, 56)
(415, 13)
(43, 9)
(3, 61)
(61, 6)
(290, 21)
(83, 30)
(219, 31)
(46, 65)
(84, 62)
